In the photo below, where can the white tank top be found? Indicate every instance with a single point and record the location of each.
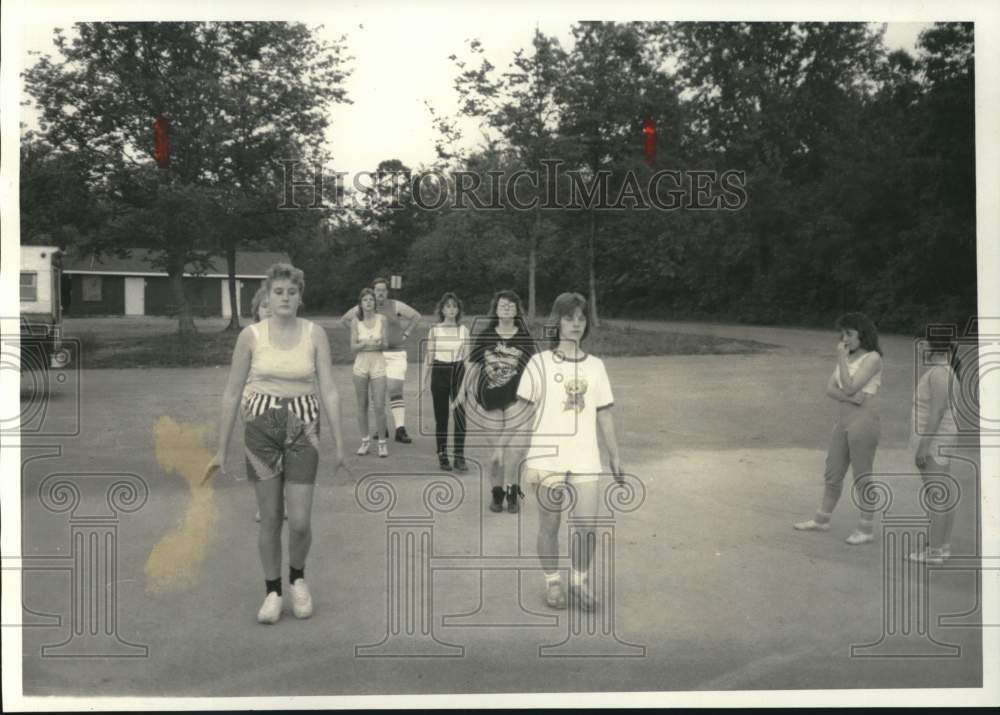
(874, 382)
(374, 333)
(448, 342)
(283, 373)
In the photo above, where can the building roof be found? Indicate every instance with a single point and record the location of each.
(249, 264)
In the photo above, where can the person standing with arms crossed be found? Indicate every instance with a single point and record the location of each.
(396, 313)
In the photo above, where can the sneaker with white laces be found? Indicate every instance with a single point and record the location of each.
(366, 445)
(302, 603)
(383, 448)
(812, 525)
(860, 537)
(270, 610)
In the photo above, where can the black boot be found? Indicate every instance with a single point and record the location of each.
(498, 495)
(513, 492)
(401, 435)
(460, 465)
(443, 461)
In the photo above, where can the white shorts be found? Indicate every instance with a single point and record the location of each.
(395, 364)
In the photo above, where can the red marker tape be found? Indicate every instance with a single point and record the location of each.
(161, 134)
(649, 129)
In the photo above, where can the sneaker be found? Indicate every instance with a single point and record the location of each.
(555, 595)
(270, 610)
(443, 462)
(812, 525)
(930, 555)
(460, 465)
(401, 435)
(383, 448)
(302, 603)
(581, 597)
(860, 537)
(498, 495)
(366, 444)
(513, 492)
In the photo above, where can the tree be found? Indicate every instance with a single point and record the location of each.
(521, 105)
(231, 94)
(610, 87)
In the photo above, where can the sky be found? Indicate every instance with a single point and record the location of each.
(401, 63)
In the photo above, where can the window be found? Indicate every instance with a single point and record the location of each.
(92, 289)
(29, 287)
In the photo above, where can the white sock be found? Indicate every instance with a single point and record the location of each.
(552, 578)
(577, 577)
(399, 415)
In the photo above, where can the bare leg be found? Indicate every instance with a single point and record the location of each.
(378, 398)
(270, 501)
(299, 498)
(361, 390)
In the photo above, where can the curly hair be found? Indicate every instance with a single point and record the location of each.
(867, 332)
(285, 272)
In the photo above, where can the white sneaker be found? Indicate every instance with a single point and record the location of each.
(270, 610)
(930, 555)
(860, 537)
(383, 448)
(812, 525)
(302, 603)
(365, 446)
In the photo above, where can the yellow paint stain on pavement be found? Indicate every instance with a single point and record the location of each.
(174, 562)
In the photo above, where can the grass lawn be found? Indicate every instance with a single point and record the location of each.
(154, 342)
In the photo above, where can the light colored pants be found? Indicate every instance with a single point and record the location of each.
(853, 443)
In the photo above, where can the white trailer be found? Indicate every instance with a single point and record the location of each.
(41, 308)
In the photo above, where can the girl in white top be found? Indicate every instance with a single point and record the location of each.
(368, 340)
(570, 396)
(854, 385)
(281, 363)
(934, 427)
(444, 370)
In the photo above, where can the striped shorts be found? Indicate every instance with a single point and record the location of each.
(281, 437)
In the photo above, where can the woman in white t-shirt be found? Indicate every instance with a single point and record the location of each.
(854, 384)
(444, 363)
(571, 397)
(934, 427)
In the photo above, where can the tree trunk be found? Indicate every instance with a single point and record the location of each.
(175, 272)
(593, 273)
(533, 261)
(234, 310)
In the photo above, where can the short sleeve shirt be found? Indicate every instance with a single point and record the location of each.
(503, 361)
(567, 395)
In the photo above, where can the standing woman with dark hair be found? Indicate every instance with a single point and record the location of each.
(444, 364)
(854, 384)
(283, 362)
(368, 340)
(934, 427)
(497, 358)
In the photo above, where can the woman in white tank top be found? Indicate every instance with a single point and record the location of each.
(281, 368)
(934, 427)
(368, 340)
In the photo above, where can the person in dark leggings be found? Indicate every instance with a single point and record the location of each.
(444, 363)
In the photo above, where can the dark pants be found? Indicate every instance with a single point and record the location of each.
(446, 380)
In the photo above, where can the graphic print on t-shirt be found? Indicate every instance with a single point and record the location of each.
(575, 391)
(500, 364)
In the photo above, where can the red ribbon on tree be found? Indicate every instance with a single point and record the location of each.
(161, 135)
(649, 129)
